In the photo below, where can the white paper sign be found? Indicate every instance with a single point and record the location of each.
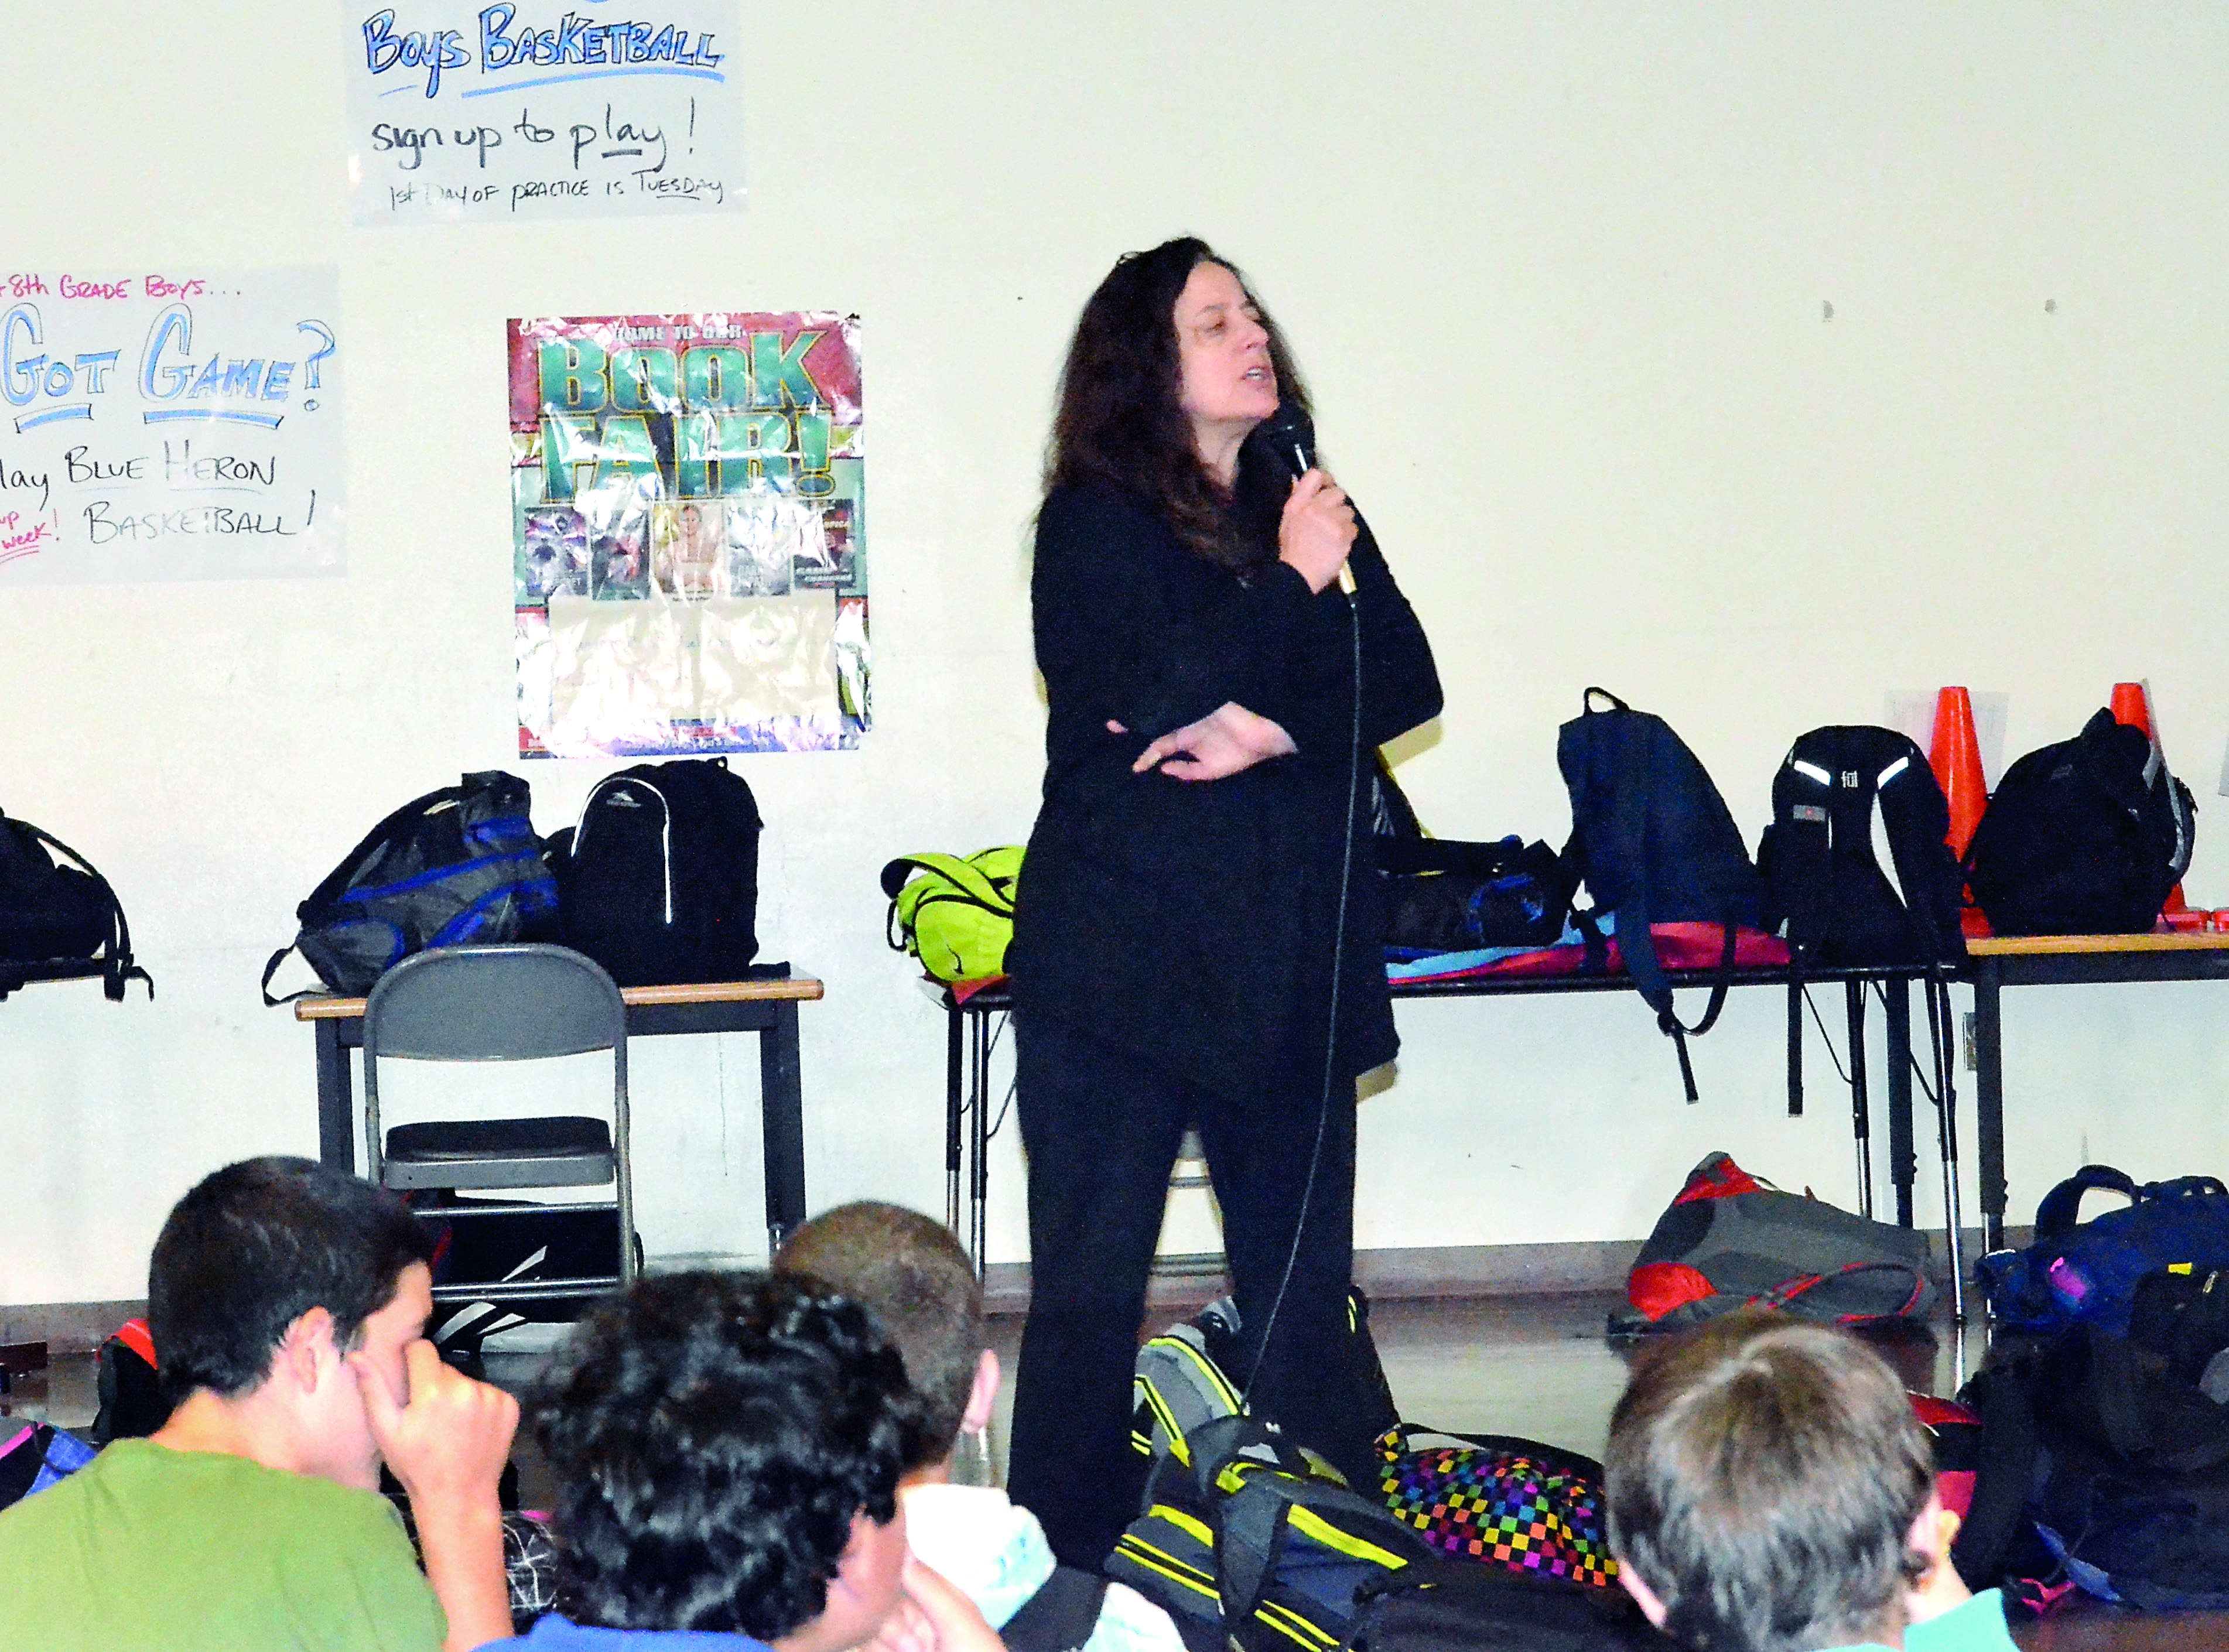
(543, 109)
(184, 425)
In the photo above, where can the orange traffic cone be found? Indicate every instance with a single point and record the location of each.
(2132, 704)
(1955, 757)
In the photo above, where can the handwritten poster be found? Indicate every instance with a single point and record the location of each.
(688, 552)
(172, 425)
(542, 109)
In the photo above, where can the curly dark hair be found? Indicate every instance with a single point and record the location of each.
(253, 1248)
(1118, 423)
(713, 1435)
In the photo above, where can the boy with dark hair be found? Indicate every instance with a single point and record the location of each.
(921, 1287)
(728, 1451)
(1769, 1490)
(287, 1303)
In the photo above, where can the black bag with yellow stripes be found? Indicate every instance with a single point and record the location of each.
(1255, 1544)
(1251, 1541)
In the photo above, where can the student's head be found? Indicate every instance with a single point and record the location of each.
(1766, 1482)
(728, 1449)
(276, 1268)
(256, 1246)
(921, 1287)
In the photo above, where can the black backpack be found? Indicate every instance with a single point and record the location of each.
(2095, 1457)
(129, 1386)
(2085, 837)
(1453, 1608)
(54, 913)
(1654, 843)
(659, 880)
(456, 865)
(1844, 795)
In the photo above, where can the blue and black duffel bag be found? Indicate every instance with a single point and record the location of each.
(2085, 1273)
(456, 865)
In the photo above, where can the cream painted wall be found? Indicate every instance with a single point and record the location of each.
(1559, 275)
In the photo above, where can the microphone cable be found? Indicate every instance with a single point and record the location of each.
(1338, 964)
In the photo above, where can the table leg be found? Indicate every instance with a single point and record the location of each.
(955, 1020)
(978, 1187)
(1990, 1099)
(1943, 1035)
(336, 1102)
(1902, 1162)
(1861, 1127)
(781, 1114)
(1795, 1049)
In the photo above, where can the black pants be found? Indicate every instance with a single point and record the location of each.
(1101, 1130)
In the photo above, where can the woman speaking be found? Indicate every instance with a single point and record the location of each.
(1196, 937)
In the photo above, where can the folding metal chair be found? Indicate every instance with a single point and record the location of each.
(505, 1003)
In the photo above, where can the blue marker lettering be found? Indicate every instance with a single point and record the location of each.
(20, 381)
(178, 320)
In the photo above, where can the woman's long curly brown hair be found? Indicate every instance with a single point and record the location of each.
(1119, 421)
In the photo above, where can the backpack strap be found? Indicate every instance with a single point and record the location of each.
(271, 968)
(1517, 1445)
(1060, 1616)
(118, 967)
(2003, 1475)
(969, 876)
(1587, 700)
(2059, 1212)
(1669, 1024)
(1788, 1289)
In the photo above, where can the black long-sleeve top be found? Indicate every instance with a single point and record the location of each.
(1191, 923)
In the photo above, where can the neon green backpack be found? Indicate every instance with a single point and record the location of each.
(955, 916)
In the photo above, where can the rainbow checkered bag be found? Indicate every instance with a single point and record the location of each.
(1500, 1499)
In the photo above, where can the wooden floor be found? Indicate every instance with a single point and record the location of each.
(1534, 1365)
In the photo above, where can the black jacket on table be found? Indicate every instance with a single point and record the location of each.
(1191, 923)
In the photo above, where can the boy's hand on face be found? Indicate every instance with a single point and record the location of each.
(932, 1616)
(448, 1437)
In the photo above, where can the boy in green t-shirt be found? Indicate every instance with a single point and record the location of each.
(287, 1303)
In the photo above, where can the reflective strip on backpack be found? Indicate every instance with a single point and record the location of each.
(1813, 772)
(1140, 1553)
(1291, 1624)
(1151, 1397)
(1884, 851)
(1188, 1524)
(1210, 1372)
(1311, 1524)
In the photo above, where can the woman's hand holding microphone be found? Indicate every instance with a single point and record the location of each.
(1317, 530)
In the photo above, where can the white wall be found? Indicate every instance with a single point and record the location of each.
(1558, 277)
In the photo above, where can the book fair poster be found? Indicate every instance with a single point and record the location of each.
(689, 554)
(539, 109)
(179, 424)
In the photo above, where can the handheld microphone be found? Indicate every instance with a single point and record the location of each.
(1292, 435)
